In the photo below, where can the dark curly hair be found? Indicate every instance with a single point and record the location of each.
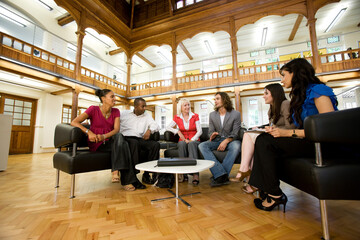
(227, 103)
(278, 95)
(303, 75)
(101, 93)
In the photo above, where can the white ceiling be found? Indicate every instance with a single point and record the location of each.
(248, 37)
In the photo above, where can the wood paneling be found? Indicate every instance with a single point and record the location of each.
(23, 111)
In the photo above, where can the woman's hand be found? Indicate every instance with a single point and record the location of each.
(187, 140)
(92, 136)
(181, 136)
(278, 132)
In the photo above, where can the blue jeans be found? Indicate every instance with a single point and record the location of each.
(220, 169)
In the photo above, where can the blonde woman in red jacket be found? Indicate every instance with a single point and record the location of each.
(187, 125)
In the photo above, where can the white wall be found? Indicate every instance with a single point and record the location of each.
(48, 116)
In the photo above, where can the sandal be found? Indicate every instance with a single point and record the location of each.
(195, 182)
(242, 177)
(129, 187)
(115, 177)
(253, 189)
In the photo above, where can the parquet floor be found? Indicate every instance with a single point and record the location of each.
(31, 208)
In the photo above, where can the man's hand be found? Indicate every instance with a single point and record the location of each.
(223, 145)
(213, 135)
(147, 135)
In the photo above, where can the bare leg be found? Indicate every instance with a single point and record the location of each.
(247, 153)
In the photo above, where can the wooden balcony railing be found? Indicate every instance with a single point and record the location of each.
(24, 52)
(19, 50)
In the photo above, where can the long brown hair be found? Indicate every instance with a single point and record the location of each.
(278, 95)
(227, 103)
(303, 75)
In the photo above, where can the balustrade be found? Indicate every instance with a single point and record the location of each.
(19, 50)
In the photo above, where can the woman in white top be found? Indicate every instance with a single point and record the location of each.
(189, 131)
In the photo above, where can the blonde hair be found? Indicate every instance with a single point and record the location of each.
(180, 103)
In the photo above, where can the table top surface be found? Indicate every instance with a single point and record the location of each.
(151, 166)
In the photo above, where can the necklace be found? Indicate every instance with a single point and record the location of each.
(106, 114)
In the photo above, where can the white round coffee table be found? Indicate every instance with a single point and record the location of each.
(151, 166)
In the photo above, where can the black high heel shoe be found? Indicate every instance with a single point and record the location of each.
(277, 201)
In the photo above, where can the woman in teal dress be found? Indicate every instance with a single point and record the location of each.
(309, 96)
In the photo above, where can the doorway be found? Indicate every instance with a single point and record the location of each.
(23, 111)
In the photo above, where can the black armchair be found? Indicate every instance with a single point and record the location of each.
(74, 157)
(328, 176)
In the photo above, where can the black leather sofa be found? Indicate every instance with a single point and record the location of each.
(74, 157)
(328, 176)
(173, 151)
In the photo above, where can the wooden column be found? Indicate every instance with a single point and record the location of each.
(234, 49)
(238, 105)
(128, 77)
(313, 38)
(174, 104)
(75, 101)
(192, 105)
(80, 37)
(174, 52)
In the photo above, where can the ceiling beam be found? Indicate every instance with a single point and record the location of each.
(62, 91)
(65, 20)
(171, 9)
(185, 51)
(116, 51)
(296, 27)
(132, 14)
(145, 60)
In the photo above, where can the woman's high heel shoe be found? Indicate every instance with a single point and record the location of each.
(241, 178)
(277, 201)
(253, 189)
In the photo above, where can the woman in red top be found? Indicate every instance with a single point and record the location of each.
(189, 131)
(104, 136)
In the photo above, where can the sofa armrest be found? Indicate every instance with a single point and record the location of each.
(339, 126)
(155, 136)
(65, 135)
(170, 137)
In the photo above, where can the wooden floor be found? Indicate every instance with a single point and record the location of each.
(31, 208)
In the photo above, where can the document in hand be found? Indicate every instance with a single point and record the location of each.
(166, 162)
(257, 130)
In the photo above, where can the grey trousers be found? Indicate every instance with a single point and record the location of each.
(188, 150)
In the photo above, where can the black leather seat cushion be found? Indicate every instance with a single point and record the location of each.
(84, 161)
(334, 181)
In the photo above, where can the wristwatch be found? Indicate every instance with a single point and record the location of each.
(294, 134)
(87, 130)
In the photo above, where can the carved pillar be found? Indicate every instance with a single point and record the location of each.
(74, 105)
(128, 77)
(238, 105)
(174, 104)
(174, 80)
(80, 37)
(313, 38)
(234, 49)
(174, 52)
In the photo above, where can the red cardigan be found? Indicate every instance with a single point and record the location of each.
(188, 134)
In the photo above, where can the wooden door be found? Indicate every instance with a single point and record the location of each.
(23, 111)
